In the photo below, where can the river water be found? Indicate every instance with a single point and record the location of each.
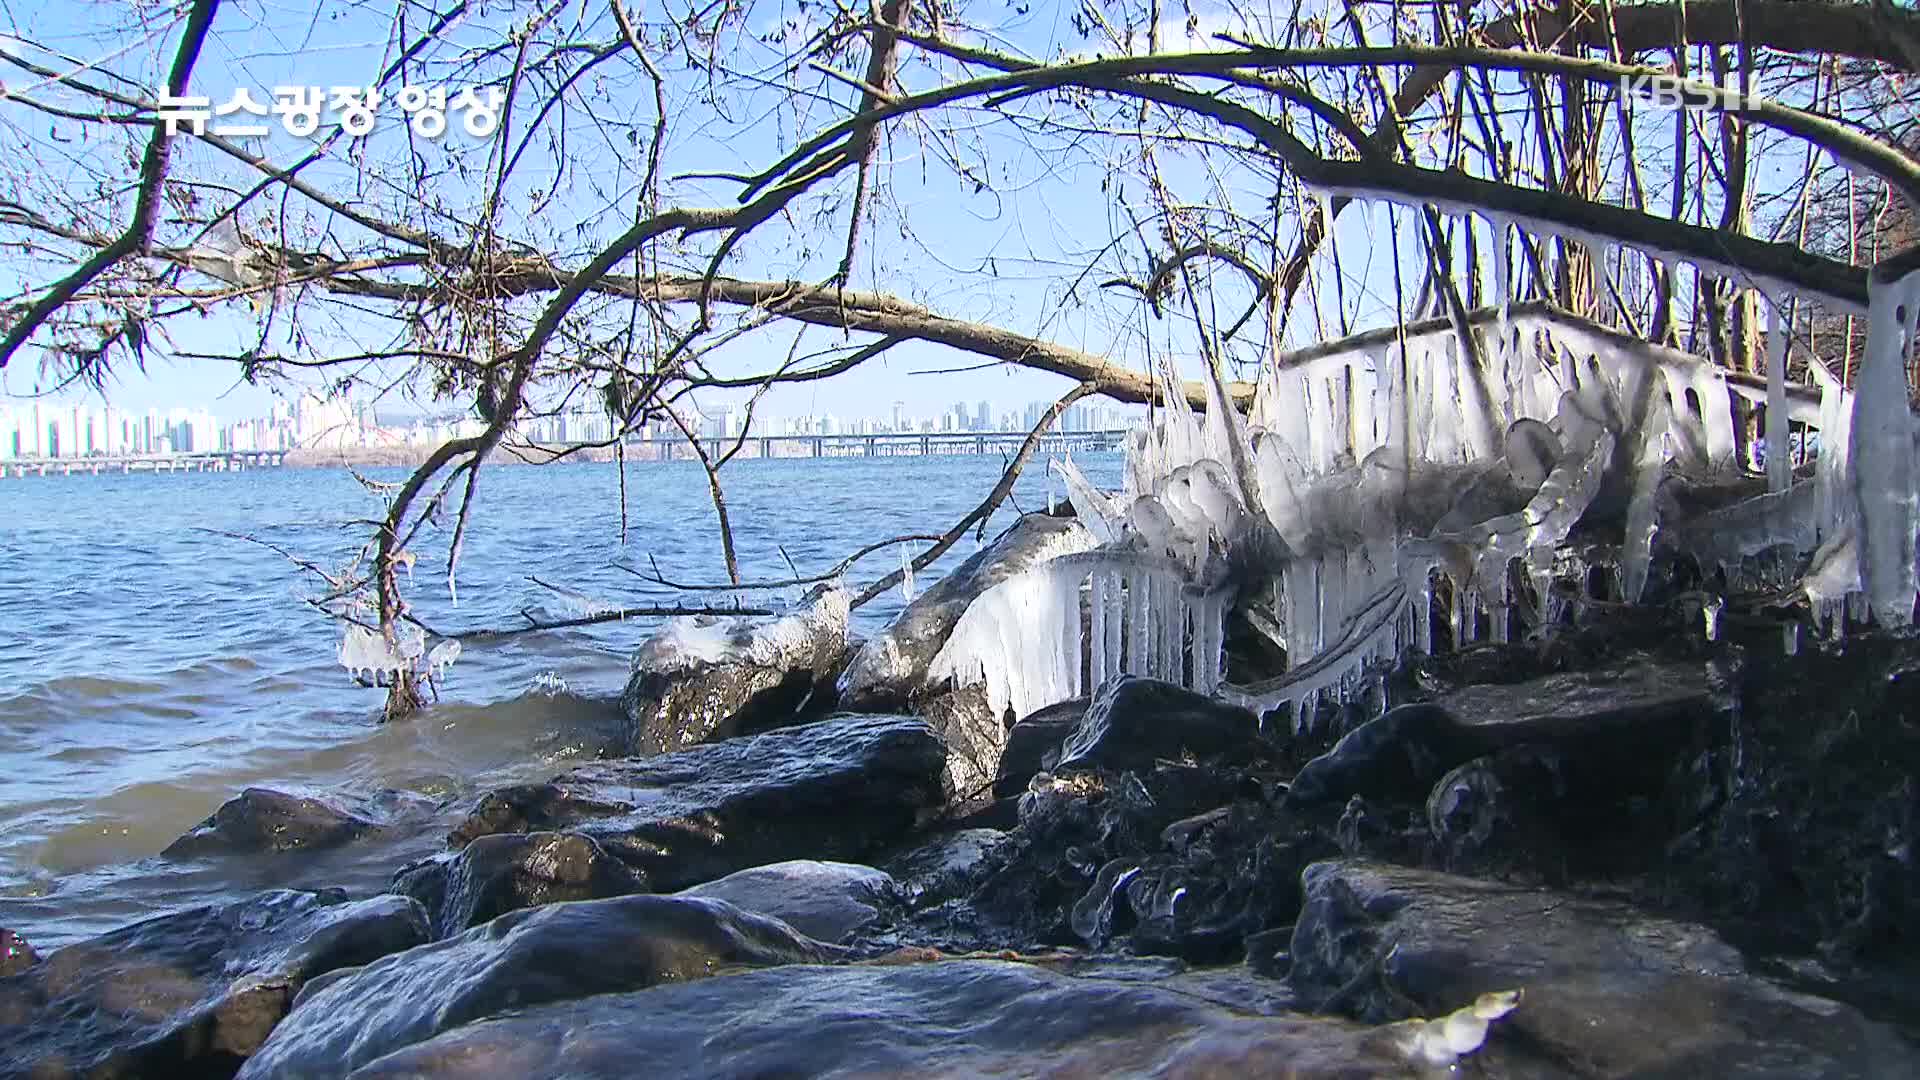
(151, 668)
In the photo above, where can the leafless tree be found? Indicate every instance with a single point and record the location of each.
(666, 188)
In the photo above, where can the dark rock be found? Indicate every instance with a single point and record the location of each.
(1516, 808)
(840, 788)
(1802, 828)
(1622, 725)
(952, 1018)
(1608, 991)
(16, 953)
(1183, 860)
(1133, 723)
(560, 953)
(191, 994)
(692, 685)
(946, 866)
(827, 901)
(1033, 746)
(263, 820)
(504, 872)
(889, 670)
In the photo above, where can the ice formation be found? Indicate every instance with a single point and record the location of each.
(1397, 491)
(690, 641)
(365, 651)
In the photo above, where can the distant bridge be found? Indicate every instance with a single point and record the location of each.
(892, 444)
(206, 461)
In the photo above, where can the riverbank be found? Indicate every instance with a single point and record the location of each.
(1675, 850)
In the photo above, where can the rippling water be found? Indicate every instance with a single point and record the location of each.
(150, 668)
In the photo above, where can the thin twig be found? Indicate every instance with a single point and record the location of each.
(993, 500)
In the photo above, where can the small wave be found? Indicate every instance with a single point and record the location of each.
(130, 824)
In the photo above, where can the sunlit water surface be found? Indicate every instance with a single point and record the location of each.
(151, 668)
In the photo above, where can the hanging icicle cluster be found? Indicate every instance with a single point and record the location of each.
(1371, 474)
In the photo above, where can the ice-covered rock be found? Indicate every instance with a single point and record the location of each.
(703, 678)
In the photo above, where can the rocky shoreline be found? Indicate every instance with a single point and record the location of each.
(1688, 857)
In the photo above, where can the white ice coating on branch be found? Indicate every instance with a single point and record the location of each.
(694, 640)
(366, 652)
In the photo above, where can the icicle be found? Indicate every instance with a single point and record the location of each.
(1169, 618)
(442, 656)
(1097, 612)
(1094, 509)
(1502, 275)
(1116, 618)
(906, 574)
(1208, 639)
(1146, 660)
(1636, 554)
(1830, 468)
(1368, 377)
(1779, 454)
(1065, 609)
(1283, 486)
(1882, 453)
(1423, 614)
(1334, 615)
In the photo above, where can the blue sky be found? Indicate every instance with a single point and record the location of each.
(995, 256)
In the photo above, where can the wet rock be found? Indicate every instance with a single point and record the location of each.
(504, 872)
(974, 734)
(702, 681)
(1517, 808)
(561, 953)
(1622, 725)
(1133, 722)
(840, 788)
(1182, 860)
(827, 901)
(262, 820)
(1033, 746)
(1608, 991)
(889, 670)
(191, 994)
(948, 1018)
(945, 866)
(16, 953)
(1805, 823)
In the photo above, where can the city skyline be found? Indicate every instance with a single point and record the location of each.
(36, 428)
